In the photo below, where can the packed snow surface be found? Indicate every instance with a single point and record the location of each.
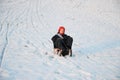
(26, 49)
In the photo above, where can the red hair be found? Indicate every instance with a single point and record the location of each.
(61, 27)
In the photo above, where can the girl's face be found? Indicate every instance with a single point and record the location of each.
(62, 31)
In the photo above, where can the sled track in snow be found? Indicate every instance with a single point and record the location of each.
(11, 26)
(39, 26)
(31, 26)
(5, 45)
(30, 21)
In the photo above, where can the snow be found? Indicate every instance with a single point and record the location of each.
(26, 49)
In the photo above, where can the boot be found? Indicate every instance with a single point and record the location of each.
(70, 52)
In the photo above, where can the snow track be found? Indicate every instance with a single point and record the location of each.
(26, 49)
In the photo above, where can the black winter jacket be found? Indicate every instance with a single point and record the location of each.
(65, 38)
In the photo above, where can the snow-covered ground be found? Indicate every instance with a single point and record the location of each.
(26, 49)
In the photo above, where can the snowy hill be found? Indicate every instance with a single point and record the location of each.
(26, 49)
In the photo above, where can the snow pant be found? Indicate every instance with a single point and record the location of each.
(65, 46)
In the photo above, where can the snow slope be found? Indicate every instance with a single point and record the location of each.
(26, 49)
